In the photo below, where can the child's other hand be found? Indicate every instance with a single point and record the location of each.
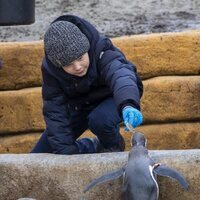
(132, 116)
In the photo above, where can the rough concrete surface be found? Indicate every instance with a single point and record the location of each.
(60, 177)
(112, 17)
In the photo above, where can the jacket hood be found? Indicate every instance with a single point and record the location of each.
(90, 32)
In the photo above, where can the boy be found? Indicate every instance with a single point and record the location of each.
(87, 83)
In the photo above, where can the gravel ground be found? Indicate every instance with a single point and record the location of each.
(112, 17)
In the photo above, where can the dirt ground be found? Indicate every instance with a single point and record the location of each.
(112, 17)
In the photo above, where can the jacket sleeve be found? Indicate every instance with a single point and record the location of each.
(122, 78)
(55, 115)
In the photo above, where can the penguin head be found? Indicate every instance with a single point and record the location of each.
(138, 138)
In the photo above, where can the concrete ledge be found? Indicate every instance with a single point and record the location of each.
(59, 177)
(153, 54)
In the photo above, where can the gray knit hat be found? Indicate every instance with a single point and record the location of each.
(64, 42)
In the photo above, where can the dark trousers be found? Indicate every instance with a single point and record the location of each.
(103, 121)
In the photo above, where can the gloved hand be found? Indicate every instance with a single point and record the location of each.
(132, 116)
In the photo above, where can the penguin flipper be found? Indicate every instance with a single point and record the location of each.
(163, 170)
(104, 178)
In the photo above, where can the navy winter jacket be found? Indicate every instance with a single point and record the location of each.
(109, 74)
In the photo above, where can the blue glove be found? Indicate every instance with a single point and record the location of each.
(132, 116)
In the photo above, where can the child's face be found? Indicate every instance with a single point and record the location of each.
(78, 67)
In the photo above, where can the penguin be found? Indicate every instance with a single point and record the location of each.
(139, 174)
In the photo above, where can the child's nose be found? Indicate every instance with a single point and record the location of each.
(77, 66)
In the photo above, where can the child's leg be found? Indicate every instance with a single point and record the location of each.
(42, 146)
(104, 123)
(77, 125)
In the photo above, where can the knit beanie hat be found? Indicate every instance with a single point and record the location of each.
(64, 42)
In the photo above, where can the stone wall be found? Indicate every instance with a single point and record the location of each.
(168, 64)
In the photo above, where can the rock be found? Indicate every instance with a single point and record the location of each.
(61, 177)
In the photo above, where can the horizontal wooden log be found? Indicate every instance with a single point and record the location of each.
(153, 54)
(163, 54)
(21, 111)
(21, 63)
(22, 143)
(159, 136)
(164, 136)
(171, 98)
(166, 99)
